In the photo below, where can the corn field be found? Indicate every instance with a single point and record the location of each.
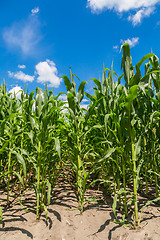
(114, 143)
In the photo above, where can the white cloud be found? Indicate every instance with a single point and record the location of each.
(21, 76)
(65, 107)
(21, 66)
(35, 10)
(84, 106)
(120, 5)
(17, 91)
(23, 36)
(132, 42)
(144, 8)
(85, 100)
(47, 72)
(63, 97)
(142, 13)
(34, 106)
(116, 47)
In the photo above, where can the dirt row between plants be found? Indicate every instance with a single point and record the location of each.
(66, 223)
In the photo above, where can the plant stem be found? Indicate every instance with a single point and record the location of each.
(9, 164)
(155, 168)
(38, 181)
(124, 186)
(134, 177)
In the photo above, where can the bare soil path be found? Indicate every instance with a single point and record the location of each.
(66, 223)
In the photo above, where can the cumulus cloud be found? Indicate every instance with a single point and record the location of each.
(120, 5)
(35, 10)
(85, 106)
(21, 66)
(85, 100)
(23, 36)
(17, 91)
(21, 76)
(47, 72)
(65, 107)
(132, 42)
(63, 97)
(116, 47)
(143, 8)
(142, 13)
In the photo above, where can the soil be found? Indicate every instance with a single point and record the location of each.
(66, 223)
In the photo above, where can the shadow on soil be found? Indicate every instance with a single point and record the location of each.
(63, 195)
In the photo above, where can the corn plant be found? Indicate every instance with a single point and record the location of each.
(114, 142)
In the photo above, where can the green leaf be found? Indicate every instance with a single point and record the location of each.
(91, 97)
(107, 155)
(32, 122)
(80, 93)
(67, 82)
(142, 86)
(138, 146)
(59, 94)
(71, 101)
(137, 77)
(154, 61)
(138, 172)
(131, 96)
(127, 64)
(147, 56)
(58, 148)
(19, 177)
(48, 192)
(147, 204)
(35, 188)
(98, 83)
(39, 101)
(114, 206)
(1, 215)
(21, 161)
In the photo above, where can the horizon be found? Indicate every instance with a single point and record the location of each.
(41, 41)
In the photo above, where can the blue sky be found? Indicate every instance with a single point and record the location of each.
(40, 40)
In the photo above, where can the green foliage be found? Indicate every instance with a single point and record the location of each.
(113, 143)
